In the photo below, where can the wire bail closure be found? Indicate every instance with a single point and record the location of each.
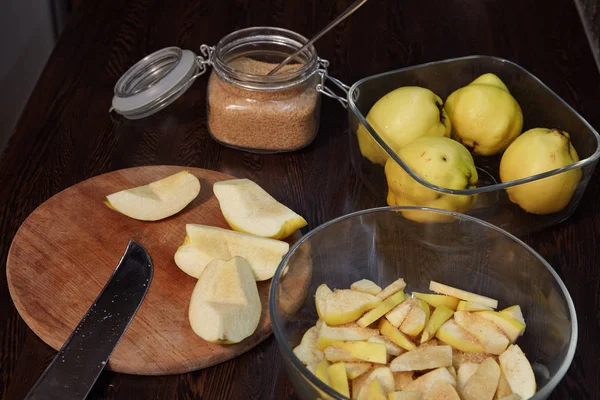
(322, 88)
(204, 60)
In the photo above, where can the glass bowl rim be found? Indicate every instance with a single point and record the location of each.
(288, 351)
(353, 94)
(277, 35)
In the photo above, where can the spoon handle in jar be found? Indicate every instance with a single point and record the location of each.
(353, 7)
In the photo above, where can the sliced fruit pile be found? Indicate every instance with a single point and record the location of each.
(225, 306)
(382, 344)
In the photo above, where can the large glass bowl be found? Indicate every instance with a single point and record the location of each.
(541, 108)
(382, 245)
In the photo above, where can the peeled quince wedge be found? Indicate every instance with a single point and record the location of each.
(328, 335)
(424, 358)
(390, 332)
(375, 391)
(356, 369)
(404, 395)
(206, 243)
(462, 294)
(321, 296)
(392, 288)
(451, 333)
(471, 306)
(338, 378)
(417, 318)
(442, 390)
(503, 389)
(484, 382)
(381, 309)
(436, 300)
(225, 306)
(361, 385)
(518, 371)
(366, 286)
(515, 312)
(425, 382)
(487, 333)
(465, 372)
(156, 200)
(307, 351)
(510, 326)
(344, 306)
(250, 209)
(357, 351)
(392, 348)
(321, 371)
(399, 313)
(440, 315)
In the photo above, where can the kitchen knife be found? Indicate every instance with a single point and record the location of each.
(84, 355)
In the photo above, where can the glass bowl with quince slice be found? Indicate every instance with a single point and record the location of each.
(375, 305)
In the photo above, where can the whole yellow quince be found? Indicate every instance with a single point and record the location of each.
(400, 117)
(484, 115)
(535, 151)
(438, 160)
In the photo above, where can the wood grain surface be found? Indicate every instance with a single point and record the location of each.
(66, 250)
(66, 135)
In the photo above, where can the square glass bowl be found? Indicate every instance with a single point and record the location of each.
(541, 108)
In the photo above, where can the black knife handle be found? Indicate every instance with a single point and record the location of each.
(72, 373)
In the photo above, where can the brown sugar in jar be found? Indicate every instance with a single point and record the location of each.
(253, 111)
(263, 120)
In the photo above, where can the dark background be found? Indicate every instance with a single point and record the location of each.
(29, 30)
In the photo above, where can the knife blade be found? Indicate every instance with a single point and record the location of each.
(75, 368)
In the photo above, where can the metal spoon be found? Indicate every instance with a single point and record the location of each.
(353, 7)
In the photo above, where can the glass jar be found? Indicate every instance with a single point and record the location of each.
(247, 109)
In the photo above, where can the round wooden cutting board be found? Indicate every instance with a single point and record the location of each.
(64, 253)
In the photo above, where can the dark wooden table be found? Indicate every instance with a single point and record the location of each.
(66, 135)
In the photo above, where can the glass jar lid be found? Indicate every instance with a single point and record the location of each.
(156, 81)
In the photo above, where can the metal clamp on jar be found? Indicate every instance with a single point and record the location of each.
(247, 109)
